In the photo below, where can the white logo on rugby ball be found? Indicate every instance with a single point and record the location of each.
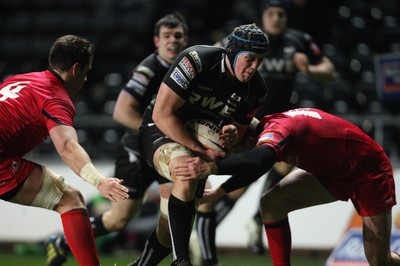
(205, 132)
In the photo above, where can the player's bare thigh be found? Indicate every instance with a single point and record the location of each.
(44, 189)
(295, 191)
(31, 187)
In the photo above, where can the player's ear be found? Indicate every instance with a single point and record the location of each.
(156, 41)
(75, 68)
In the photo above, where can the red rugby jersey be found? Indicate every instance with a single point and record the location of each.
(320, 143)
(30, 105)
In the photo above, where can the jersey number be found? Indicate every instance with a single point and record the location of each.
(304, 112)
(11, 90)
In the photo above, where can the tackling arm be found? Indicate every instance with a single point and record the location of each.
(246, 167)
(71, 152)
(66, 142)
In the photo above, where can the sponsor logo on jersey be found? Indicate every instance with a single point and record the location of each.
(213, 103)
(205, 101)
(282, 64)
(195, 56)
(231, 106)
(389, 200)
(16, 166)
(289, 51)
(278, 65)
(179, 78)
(12, 90)
(187, 67)
(266, 137)
(204, 88)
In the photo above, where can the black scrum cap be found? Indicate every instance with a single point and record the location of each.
(246, 38)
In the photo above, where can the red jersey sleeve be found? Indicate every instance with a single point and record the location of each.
(57, 107)
(58, 112)
(273, 135)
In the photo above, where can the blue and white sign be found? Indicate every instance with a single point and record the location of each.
(350, 250)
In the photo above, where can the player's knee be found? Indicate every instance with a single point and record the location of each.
(187, 189)
(73, 199)
(166, 154)
(118, 224)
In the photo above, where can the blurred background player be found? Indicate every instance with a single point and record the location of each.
(170, 37)
(289, 52)
(309, 137)
(212, 83)
(34, 106)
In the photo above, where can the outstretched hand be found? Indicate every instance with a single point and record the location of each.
(112, 189)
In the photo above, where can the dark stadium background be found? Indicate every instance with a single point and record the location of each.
(349, 32)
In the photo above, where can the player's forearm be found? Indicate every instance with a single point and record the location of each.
(130, 119)
(245, 167)
(253, 162)
(174, 129)
(79, 161)
(323, 72)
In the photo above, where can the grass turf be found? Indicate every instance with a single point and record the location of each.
(9, 258)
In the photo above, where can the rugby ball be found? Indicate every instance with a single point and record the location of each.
(205, 132)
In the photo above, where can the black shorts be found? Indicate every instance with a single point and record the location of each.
(8, 195)
(150, 139)
(137, 174)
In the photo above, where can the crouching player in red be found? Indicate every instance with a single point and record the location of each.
(336, 161)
